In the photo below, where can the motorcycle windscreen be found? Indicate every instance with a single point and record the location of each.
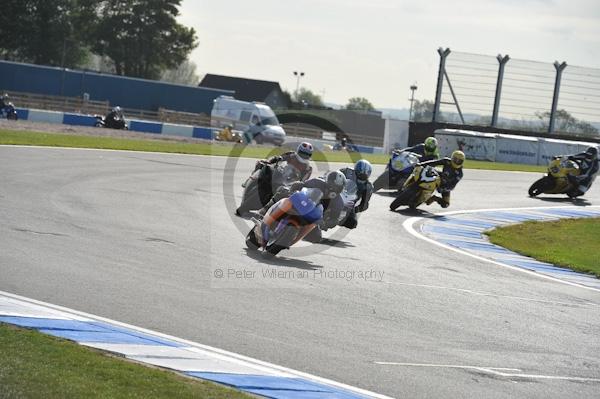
(404, 162)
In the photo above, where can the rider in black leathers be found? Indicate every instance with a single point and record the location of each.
(588, 166)
(451, 174)
(427, 150)
(115, 119)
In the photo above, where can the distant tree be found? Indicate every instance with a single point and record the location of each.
(308, 98)
(184, 74)
(359, 104)
(100, 64)
(142, 37)
(46, 32)
(565, 122)
(287, 97)
(422, 111)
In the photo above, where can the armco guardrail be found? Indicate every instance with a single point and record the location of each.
(506, 148)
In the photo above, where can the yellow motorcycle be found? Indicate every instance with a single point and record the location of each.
(557, 179)
(228, 134)
(418, 188)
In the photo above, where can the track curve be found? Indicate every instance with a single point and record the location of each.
(137, 237)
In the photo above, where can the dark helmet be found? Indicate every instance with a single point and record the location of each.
(592, 153)
(335, 182)
(363, 170)
(117, 110)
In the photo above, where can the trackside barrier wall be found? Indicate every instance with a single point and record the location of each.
(199, 132)
(134, 93)
(504, 147)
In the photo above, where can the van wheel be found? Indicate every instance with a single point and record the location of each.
(259, 139)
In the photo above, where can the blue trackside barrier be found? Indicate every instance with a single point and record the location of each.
(146, 127)
(22, 113)
(203, 133)
(365, 149)
(171, 129)
(78, 120)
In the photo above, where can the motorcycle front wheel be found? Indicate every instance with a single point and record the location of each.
(382, 181)
(539, 187)
(250, 199)
(251, 241)
(284, 241)
(405, 197)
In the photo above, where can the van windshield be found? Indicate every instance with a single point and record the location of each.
(267, 116)
(269, 120)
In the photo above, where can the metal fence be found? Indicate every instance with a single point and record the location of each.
(517, 94)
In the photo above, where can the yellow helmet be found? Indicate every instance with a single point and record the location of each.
(457, 159)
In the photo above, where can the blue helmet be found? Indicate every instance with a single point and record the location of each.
(363, 170)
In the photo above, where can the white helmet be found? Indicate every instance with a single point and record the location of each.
(304, 152)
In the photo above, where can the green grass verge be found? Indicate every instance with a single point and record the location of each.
(569, 243)
(35, 365)
(219, 149)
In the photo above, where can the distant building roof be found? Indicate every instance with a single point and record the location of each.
(245, 89)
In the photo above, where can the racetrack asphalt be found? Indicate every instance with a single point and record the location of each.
(140, 238)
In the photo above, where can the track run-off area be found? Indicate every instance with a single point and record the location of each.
(150, 240)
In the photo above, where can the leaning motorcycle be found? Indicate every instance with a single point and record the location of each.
(111, 123)
(397, 170)
(418, 188)
(287, 221)
(9, 112)
(228, 134)
(556, 181)
(264, 182)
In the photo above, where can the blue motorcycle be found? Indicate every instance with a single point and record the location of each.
(399, 167)
(287, 221)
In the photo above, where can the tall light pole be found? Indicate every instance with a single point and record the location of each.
(298, 75)
(412, 99)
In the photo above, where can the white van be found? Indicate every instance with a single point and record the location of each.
(255, 119)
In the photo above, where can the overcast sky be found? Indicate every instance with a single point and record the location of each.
(378, 48)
